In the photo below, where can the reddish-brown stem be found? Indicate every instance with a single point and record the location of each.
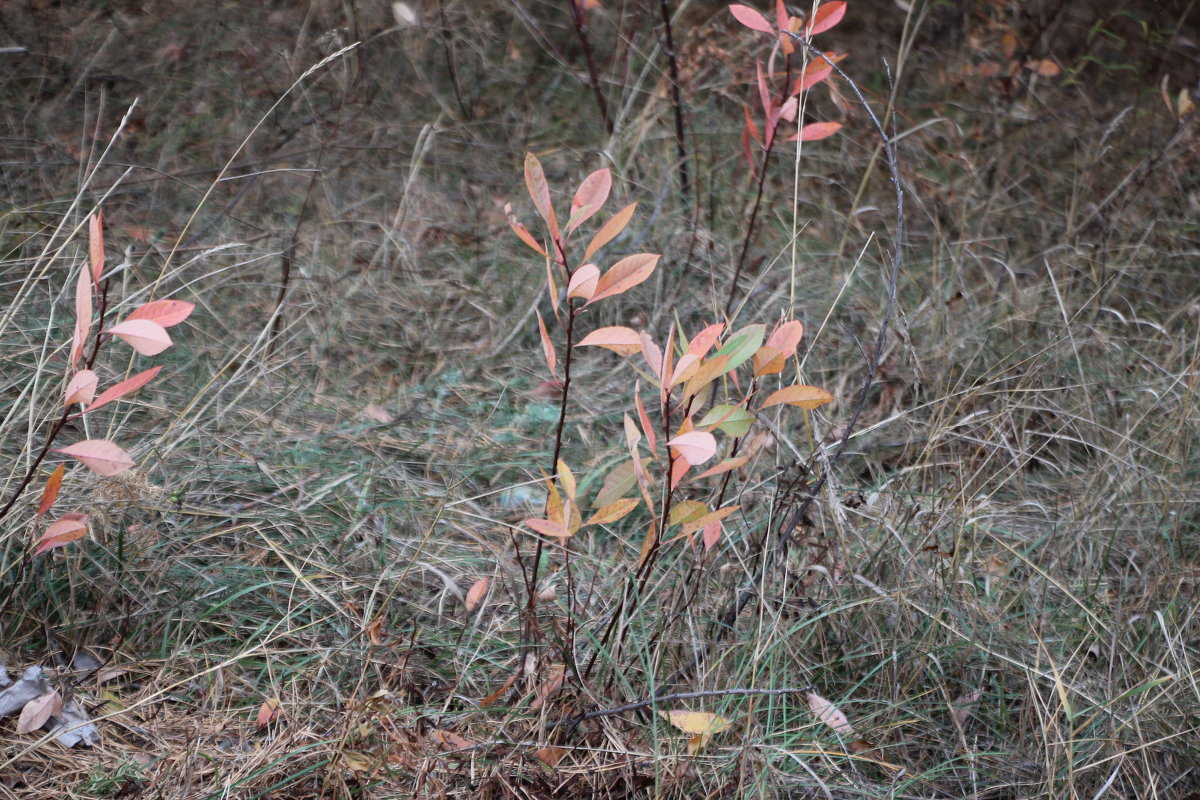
(531, 632)
(580, 23)
(89, 362)
(685, 182)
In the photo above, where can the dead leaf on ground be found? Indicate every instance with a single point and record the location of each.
(830, 714)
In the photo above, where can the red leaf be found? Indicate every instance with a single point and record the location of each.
(547, 345)
(165, 312)
(96, 245)
(826, 17)
(711, 535)
(50, 492)
(146, 337)
(679, 468)
(127, 386)
(100, 456)
(814, 73)
(82, 388)
(590, 198)
(609, 230)
(624, 275)
(64, 530)
(623, 341)
(815, 131)
(696, 447)
(750, 18)
(539, 190)
(268, 712)
(583, 282)
(83, 315)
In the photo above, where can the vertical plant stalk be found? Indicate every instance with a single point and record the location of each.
(685, 182)
(758, 196)
(794, 515)
(531, 626)
(580, 24)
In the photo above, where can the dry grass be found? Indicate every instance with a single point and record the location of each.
(997, 583)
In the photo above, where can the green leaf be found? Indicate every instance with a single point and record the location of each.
(733, 420)
(742, 346)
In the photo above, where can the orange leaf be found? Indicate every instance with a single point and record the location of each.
(590, 198)
(82, 387)
(100, 456)
(521, 231)
(712, 369)
(750, 18)
(613, 511)
(696, 447)
(691, 526)
(496, 695)
(475, 593)
(146, 337)
(165, 312)
(624, 275)
(724, 466)
(64, 530)
(647, 428)
(268, 712)
(123, 388)
(96, 245)
(609, 230)
(826, 17)
(1046, 68)
(703, 341)
(808, 397)
(50, 492)
(545, 527)
(547, 345)
(550, 756)
(623, 341)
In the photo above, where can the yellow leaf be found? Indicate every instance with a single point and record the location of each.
(696, 722)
